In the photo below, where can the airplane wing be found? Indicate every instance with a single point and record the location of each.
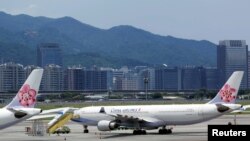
(39, 117)
(53, 113)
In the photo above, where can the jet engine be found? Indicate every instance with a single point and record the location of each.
(105, 125)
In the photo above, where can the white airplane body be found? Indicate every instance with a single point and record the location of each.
(147, 117)
(154, 115)
(21, 107)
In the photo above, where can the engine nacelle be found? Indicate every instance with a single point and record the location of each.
(106, 125)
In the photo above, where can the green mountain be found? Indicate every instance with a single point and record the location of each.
(88, 45)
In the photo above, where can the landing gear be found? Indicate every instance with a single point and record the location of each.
(85, 129)
(165, 131)
(234, 121)
(139, 132)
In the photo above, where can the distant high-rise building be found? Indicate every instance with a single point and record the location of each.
(232, 55)
(149, 75)
(11, 76)
(52, 79)
(212, 78)
(248, 69)
(98, 80)
(168, 79)
(193, 78)
(74, 78)
(117, 79)
(29, 69)
(78, 78)
(130, 81)
(49, 53)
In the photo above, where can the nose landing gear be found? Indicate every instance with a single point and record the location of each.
(85, 129)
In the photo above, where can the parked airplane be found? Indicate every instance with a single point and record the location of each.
(22, 105)
(146, 117)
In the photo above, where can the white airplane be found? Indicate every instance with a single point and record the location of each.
(146, 117)
(22, 105)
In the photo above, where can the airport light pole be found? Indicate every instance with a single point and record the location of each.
(109, 92)
(146, 80)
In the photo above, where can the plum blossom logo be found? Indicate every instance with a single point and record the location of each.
(27, 96)
(227, 93)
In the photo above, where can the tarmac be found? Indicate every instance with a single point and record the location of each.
(195, 132)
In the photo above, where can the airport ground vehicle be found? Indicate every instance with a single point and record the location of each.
(62, 130)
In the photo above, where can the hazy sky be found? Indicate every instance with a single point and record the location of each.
(212, 20)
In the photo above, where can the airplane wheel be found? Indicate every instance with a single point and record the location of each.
(135, 132)
(165, 131)
(169, 131)
(139, 132)
(160, 131)
(85, 131)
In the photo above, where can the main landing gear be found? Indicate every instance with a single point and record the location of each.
(165, 131)
(139, 132)
(85, 129)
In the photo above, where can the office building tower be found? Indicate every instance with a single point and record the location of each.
(74, 78)
(212, 78)
(232, 55)
(98, 80)
(130, 81)
(146, 79)
(117, 79)
(49, 53)
(52, 79)
(29, 69)
(248, 69)
(193, 78)
(11, 77)
(168, 79)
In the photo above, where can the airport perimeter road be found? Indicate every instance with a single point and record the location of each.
(196, 132)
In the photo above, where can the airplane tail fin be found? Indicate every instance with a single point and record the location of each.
(26, 96)
(229, 91)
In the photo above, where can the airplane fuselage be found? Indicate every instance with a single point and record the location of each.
(157, 115)
(9, 118)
